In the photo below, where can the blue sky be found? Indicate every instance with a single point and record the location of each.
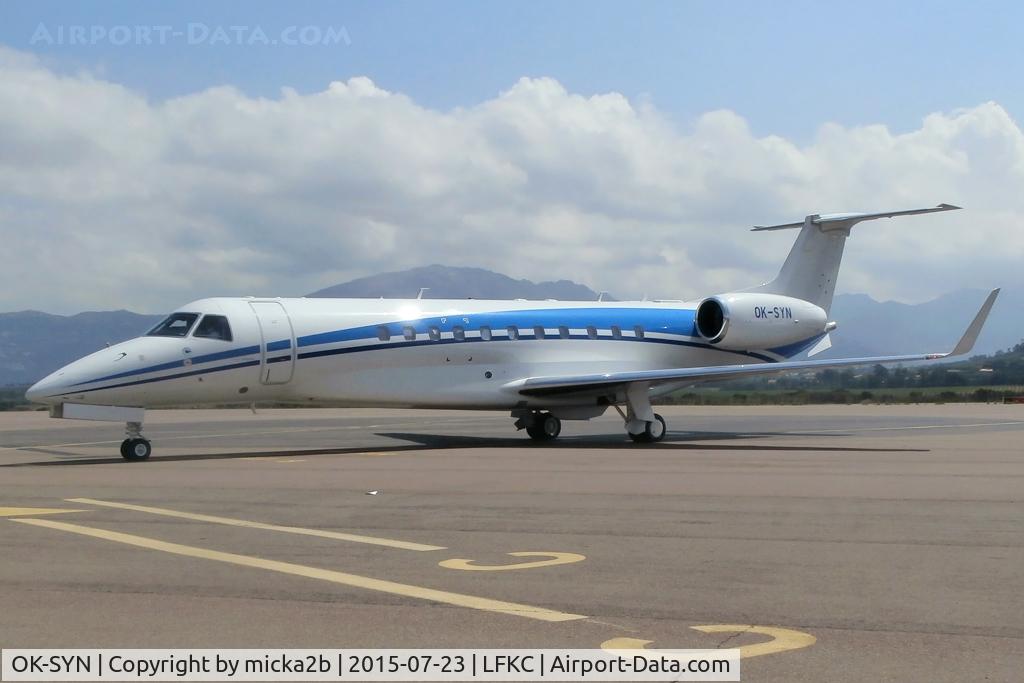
(626, 146)
(786, 67)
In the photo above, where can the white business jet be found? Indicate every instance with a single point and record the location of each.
(545, 361)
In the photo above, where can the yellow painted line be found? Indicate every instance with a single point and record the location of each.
(782, 639)
(636, 646)
(26, 512)
(228, 521)
(555, 558)
(354, 580)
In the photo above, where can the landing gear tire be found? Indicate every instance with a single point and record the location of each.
(546, 427)
(136, 449)
(653, 432)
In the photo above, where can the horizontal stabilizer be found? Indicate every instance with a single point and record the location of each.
(850, 219)
(601, 383)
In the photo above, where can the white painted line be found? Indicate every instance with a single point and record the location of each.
(228, 521)
(897, 429)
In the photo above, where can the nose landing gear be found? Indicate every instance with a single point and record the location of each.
(135, 447)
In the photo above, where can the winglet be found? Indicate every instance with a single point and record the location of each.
(966, 342)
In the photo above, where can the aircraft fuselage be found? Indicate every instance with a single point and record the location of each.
(396, 352)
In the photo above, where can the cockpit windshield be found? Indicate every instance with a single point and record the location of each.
(174, 325)
(213, 327)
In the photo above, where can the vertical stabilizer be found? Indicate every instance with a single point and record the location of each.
(812, 267)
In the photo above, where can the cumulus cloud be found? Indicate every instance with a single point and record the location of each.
(110, 200)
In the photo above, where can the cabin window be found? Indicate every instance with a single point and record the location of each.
(563, 332)
(459, 333)
(383, 333)
(538, 332)
(638, 330)
(513, 332)
(434, 333)
(409, 333)
(592, 332)
(174, 325)
(616, 332)
(213, 327)
(485, 333)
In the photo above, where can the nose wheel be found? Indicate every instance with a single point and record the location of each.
(136, 446)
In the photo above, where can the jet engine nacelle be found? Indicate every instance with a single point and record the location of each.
(750, 320)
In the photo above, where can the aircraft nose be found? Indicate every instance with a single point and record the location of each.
(51, 385)
(36, 392)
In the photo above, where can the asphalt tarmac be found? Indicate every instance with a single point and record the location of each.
(839, 543)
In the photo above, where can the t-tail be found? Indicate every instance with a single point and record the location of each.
(811, 269)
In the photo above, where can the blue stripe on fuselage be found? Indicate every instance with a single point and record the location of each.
(791, 350)
(668, 321)
(653, 320)
(524, 336)
(407, 344)
(149, 380)
(205, 358)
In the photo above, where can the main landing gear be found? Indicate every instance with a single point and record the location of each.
(540, 426)
(653, 431)
(643, 425)
(136, 446)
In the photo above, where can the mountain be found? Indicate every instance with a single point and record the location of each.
(449, 282)
(871, 328)
(33, 344)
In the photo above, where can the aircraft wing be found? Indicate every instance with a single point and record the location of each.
(568, 384)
